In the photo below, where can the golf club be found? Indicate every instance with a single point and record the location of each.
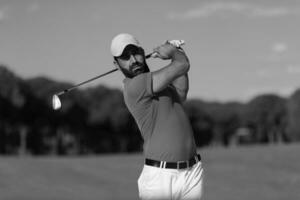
(56, 103)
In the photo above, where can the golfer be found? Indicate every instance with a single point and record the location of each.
(172, 168)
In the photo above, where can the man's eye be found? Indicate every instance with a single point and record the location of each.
(137, 51)
(125, 56)
(134, 52)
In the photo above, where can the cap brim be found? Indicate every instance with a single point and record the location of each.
(122, 48)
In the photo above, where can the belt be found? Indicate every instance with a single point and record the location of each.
(173, 165)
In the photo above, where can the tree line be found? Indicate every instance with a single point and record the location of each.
(96, 120)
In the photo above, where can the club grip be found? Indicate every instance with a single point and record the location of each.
(176, 43)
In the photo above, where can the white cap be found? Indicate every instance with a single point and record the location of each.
(119, 43)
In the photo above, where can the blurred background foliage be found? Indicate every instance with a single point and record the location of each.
(96, 120)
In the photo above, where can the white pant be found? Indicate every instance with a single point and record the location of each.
(158, 183)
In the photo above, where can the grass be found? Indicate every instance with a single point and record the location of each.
(254, 172)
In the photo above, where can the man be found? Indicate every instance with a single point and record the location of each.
(172, 169)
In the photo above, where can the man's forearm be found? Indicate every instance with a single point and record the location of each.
(182, 86)
(178, 67)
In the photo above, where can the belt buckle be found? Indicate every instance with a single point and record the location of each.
(179, 162)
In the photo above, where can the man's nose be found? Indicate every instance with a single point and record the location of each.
(132, 58)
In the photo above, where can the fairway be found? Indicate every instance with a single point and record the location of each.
(244, 173)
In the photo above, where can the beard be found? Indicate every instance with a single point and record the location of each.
(135, 69)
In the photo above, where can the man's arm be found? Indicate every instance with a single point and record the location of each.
(182, 86)
(178, 67)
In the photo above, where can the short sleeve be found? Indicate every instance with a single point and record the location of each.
(139, 87)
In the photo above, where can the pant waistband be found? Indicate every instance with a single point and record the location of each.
(174, 165)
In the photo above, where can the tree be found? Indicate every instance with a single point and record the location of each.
(201, 122)
(293, 117)
(226, 119)
(7, 116)
(13, 98)
(266, 114)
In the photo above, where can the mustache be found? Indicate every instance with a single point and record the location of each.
(134, 65)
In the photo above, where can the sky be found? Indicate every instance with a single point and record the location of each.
(237, 49)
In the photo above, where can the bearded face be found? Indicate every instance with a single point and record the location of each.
(132, 61)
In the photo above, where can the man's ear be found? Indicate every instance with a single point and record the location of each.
(116, 64)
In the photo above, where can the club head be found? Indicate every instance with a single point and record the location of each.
(56, 104)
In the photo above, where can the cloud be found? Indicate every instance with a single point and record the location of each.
(278, 52)
(293, 69)
(219, 8)
(270, 12)
(207, 10)
(9, 11)
(3, 13)
(33, 7)
(1, 16)
(279, 47)
(264, 73)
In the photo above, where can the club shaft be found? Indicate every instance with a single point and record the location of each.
(94, 78)
(149, 55)
(87, 81)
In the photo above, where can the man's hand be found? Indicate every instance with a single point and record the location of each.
(164, 51)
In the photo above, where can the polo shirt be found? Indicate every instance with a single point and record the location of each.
(162, 121)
